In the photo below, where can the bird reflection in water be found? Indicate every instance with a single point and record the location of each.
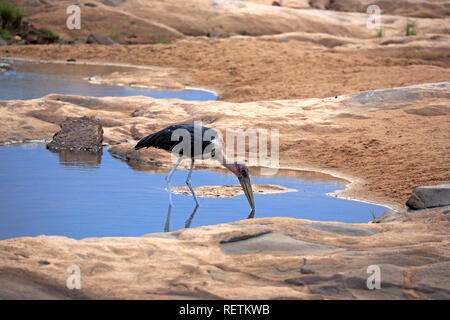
(188, 222)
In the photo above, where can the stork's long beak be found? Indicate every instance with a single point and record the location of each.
(247, 187)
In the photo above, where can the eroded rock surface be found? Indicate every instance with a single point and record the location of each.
(142, 21)
(84, 133)
(269, 258)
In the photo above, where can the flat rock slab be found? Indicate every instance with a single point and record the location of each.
(273, 242)
(429, 197)
(78, 133)
(342, 229)
(15, 288)
(230, 191)
(396, 98)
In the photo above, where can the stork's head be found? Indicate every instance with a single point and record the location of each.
(241, 172)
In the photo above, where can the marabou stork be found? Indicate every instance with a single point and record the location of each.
(201, 147)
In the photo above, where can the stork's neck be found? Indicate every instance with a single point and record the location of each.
(220, 156)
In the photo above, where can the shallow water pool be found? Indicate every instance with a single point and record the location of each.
(82, 195)
(28, 80)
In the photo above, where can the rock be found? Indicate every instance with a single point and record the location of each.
(85, 133)
(389, 216)
(90, 4)
(412, 8)
(97, 39)
(430, 111)
(343, 229)
(113, 3)
(33, 3)
(434, 279)
(319, 4)
(273, 243)
(3, 42)
(429, 197)
(13, 287)
(213, 35)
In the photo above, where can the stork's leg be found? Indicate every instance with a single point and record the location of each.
(169, 177)
(188, 182)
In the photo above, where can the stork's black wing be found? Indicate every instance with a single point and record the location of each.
(167, 140)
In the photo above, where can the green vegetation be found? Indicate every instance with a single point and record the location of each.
(50, 34)
(410, 30)
(242, 32)
(5, 35)
(114, 35)
(19, 15)
(379, 33)
(373, 215)
(163, 41)
(10, 14)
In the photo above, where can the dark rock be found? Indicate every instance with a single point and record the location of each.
(85, 133)
(213, 35)
(71, 60)
(33, 3)
(32, 35)
(97, 39)
(64, 41)
(429, 197)
(113, 3)
(90, 4)
(392, 41)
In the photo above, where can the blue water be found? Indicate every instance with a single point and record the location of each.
(30, 80)
(84, 195)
